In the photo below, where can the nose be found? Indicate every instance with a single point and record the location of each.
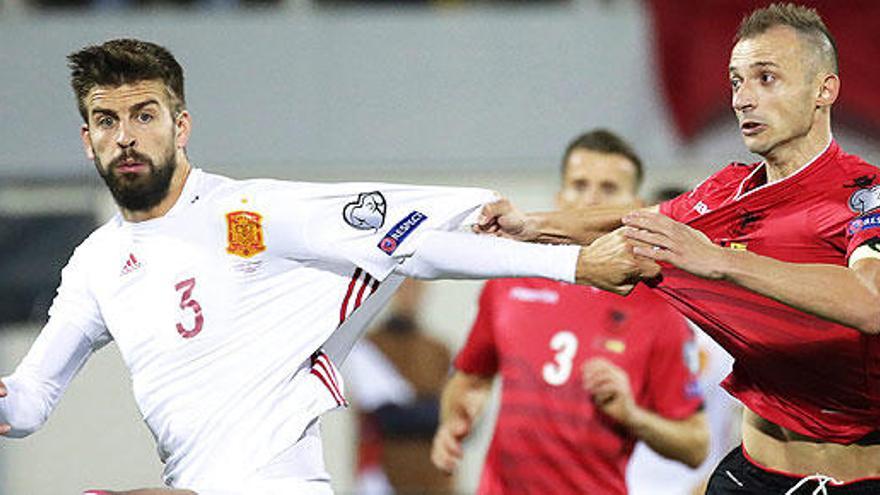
(124, 137)
(744, 98)
(591, 197)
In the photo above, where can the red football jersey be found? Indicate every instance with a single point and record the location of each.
(797, 370)
(549, 437)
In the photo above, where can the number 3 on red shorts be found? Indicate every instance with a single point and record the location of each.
(187, 302)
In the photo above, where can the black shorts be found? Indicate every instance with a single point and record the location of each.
(736, 475)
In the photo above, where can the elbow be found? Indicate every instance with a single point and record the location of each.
(869, 322)
(699, 449)
(22, 429)
(20, 432)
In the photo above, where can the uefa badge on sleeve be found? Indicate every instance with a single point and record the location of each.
(367, 212)
(244, 233)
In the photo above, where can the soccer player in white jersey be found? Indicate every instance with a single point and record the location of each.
(231, 300)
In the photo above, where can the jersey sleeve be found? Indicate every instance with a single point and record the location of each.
(863, 230)
(673, 389)
(371, 225)
(479, 356)
(74, 331)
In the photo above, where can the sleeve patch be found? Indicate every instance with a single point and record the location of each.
(865, 200)
(367, 212)
(401, 231)
(864, 223)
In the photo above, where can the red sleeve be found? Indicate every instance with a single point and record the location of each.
(479, 355)
(862, 230)
(673, 389)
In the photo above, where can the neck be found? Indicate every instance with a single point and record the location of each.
(790, 157)
(174, 190)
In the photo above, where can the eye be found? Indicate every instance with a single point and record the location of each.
(735, 82)
(104, 121)
(767, 77)
(609, 188)
(144, 118)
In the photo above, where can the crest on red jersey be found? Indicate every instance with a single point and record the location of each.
(244, 233)
(865, 200)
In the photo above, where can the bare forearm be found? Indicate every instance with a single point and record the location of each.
(464, 396)
(580, 226)
(835, 293)
(686, 441)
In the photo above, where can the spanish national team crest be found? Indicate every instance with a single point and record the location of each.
(245, 233)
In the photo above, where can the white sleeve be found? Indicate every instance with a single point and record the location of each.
(469, 256)
(75, 330)
(371, 225)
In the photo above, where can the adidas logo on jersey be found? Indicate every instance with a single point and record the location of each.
(131, 264)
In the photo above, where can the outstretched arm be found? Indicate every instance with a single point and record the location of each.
(581, 226)
(845, 295)
(685, 440)
(29, 395)
(607, 264)
(461, 404)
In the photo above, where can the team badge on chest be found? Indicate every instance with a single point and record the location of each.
(244, 233)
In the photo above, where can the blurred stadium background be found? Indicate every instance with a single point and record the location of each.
(455, 92)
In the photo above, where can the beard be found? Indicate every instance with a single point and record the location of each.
(138, 192)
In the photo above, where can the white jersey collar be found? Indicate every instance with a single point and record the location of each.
(739, 192)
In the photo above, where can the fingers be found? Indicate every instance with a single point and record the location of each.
(645, 237)
(490, 213)
(446, 451)
(646, 220)
(647, 269)
(653, 253)
(4, 428)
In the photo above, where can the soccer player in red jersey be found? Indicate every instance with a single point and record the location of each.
(578, 391)
(779, 262)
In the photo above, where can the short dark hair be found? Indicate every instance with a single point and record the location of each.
(125, 61)
(603, 141)
(804, 20)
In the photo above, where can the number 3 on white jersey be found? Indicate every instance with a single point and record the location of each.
(188, 303)
(565, 344)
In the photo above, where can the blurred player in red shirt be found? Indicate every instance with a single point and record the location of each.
(779, 262)
(585, 373)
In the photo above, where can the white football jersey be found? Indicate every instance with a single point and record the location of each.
(220, 307)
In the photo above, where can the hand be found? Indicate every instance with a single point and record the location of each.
(4, 428)
(609, 263)
(503, 219)
(609, 386)
(675, 243)
(446, 450)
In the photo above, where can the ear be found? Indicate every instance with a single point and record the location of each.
(86, 138)
(828, 91)
(183, 126)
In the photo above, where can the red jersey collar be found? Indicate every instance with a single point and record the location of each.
(757, 180)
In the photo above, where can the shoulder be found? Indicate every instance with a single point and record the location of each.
(99, 241)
